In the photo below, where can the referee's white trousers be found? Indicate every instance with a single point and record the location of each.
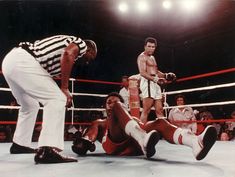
(31, 84)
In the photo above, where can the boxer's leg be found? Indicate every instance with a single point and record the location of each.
(147, 105)
(200, 144)
(147, 141)
(159, 108)
(148, 92)
(163, 127)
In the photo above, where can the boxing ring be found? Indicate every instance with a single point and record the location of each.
(170, 160)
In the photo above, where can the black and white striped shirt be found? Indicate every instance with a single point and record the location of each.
(48, 51)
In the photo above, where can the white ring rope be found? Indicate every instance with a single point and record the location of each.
(102, 109)
(89, 94)
(203, 104)
(72, 108)
(72, 112)
(165, 93)
(5, 89)
(75, 94)
(9, 107)
(201, 88)
(87, 109)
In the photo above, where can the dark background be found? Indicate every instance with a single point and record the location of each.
(188, 43)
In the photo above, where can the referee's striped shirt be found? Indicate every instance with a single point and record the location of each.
(48, 51)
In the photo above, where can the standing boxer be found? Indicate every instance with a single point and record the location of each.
(28, 70)
(150, 77)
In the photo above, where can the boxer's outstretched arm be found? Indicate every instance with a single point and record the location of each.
(96, 131)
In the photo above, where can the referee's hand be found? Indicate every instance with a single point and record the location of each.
(68, 96)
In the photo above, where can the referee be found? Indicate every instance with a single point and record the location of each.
(28, 70)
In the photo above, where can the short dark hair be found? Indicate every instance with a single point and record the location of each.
(180, 96)
(125, 77)
(151, 40)
(91, 44)
(114, 94)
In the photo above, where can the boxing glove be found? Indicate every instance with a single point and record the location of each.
(81, 146)
(170, 77)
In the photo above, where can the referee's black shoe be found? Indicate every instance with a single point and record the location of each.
(18, 149)
(46, 155)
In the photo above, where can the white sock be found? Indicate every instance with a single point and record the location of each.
(86, 138)
(133, 129)
(183, 136)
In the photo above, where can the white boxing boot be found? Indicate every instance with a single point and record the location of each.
(150, 141)
(202, 143)
(147, 141)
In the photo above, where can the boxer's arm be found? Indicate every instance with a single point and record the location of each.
(96, 131)
(161, 74)
(86, 143)
(165, 78)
